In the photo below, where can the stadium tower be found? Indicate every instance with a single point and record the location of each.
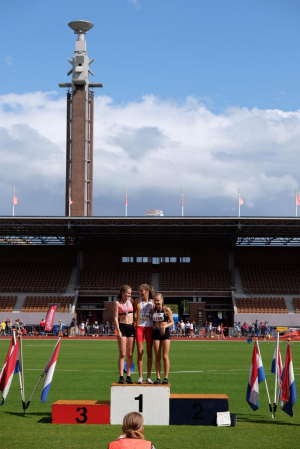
(80, 118)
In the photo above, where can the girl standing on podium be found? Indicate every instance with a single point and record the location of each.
(123, 319)
(162, 321)
(144, 328)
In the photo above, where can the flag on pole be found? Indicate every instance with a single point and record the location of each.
(8, 370)
(297, 200)
(49, 370)
(126, 198)
(256, 376)
(279, 363)
(71, 202)
(240, 201)
(15, 200)
(50, 318)
(288, 395)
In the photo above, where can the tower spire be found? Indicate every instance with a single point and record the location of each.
(80, 121)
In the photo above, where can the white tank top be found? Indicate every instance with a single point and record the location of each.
(143, 312)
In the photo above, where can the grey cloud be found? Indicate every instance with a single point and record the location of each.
(137, 142)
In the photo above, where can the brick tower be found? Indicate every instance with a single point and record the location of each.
(80, 121)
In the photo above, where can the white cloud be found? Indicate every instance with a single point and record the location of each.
(154, 148)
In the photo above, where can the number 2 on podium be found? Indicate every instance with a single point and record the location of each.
(140, 399)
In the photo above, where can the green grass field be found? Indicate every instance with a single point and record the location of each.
(86, 369)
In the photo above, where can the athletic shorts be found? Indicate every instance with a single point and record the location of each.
(127, 330)
(157, 335)
(143, 333)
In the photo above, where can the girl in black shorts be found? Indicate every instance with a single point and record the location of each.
(162, 321)
(123, 320)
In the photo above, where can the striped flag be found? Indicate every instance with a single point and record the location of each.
(256, 376)
(279, 363)
(49, 370)
(288, 395)
(9, 367)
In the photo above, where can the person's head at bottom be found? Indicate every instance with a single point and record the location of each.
(133, 429)
(133, 426)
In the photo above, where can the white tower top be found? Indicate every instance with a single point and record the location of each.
(80, 62)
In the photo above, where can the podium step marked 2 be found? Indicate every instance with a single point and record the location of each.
(81, 412)
(152, 401)
(197, 409)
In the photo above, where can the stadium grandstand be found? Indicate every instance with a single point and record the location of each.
(236, 269)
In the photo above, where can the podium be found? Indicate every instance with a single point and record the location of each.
(81, 412)
(152, 401)
(197, 409)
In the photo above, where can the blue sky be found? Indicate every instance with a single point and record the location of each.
(204, 94)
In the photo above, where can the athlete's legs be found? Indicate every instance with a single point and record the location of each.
(165, 351)
(129, 353)
(122, 350)
(157, 352)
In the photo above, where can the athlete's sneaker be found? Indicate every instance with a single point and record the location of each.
(140, 380)
(149, 381)
(129, 380)
(121, 380)
(165, 381)
(157, 382)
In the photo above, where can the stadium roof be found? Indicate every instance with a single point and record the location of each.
(72, 230)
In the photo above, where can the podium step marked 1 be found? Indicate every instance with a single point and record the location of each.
(152, 401)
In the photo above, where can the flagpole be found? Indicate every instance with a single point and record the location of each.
(14, 191)
(182, 202)
(239, 191)
(276, 374)
(42, 375)
(69, 201)
(266, 385)
(21, 374)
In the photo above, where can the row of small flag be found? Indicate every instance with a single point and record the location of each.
(285, 389)
(14, 365)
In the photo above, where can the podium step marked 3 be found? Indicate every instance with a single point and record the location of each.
(81, 412)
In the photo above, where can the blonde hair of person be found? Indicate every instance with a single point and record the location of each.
(150, 290)
(133, 425)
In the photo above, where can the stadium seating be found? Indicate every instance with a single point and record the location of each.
(217, 280)
(261, 305)
(112, 279)
(41, 303)
(279, 279)
(7, 303)
(34, 277)
(296, 302)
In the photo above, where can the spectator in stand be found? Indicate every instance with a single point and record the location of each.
(262, 328)
(221, 333)
(182, 328)
(210, 328)
(245, 329)
(188, 328)
(96, 328)
(106, 329)
(24, 332)
(42, 326)
(3, 329)
(8, 326)
(87, 327)
(238, 329)
(72, 328)
(178, 329)
(195, 329)
(133, 429)
(256, 328)
(82, 328)
(112, 328)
